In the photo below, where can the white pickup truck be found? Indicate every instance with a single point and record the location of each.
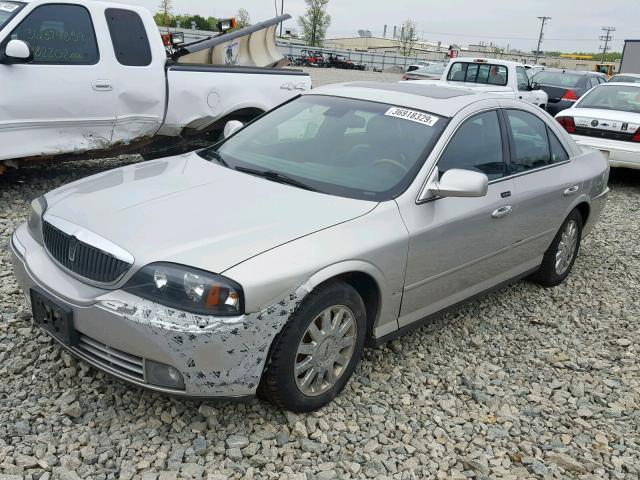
(491, 75)
(88, 78)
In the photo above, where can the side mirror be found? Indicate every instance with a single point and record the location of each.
(535, 86)
(460, 183)
(232, 127)
(17, 51)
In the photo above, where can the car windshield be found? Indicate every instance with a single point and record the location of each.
(612, 97)
(8, 10)
(339, 146)
(624, 78)
(433, 69)
(557, 79)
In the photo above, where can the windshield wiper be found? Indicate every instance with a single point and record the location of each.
(276, 177)
(214, 155)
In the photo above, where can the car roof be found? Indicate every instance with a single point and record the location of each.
(493, 61)
(430, 97)
(572, 72)
(632, 75)
(617, 84)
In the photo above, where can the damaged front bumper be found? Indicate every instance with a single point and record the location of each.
(131, 338)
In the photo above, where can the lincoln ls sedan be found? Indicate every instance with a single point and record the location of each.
(265, 263)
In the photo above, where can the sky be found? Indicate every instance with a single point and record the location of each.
(575, 24)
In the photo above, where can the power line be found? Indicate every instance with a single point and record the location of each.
(606, 38)
(543, 21)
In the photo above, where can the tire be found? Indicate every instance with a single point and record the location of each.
(549, 275)
(280, 385)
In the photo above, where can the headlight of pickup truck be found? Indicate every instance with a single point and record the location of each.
(188, 289)
(38, 207)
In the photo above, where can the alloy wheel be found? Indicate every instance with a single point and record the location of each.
(325, 350)
(567, 247)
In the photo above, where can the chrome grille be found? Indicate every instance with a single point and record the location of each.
(124, 363)
(85, 260)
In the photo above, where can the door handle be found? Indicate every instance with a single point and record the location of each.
(571, 190)
(501, 212)
(101, 85)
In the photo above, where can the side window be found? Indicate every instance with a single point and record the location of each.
(477, 145)
(129, 37)
(558, 153)
(530, 141)
(523, 78)
(59, 34)
(593, 81)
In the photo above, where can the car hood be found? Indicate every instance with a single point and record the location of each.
(191, 211)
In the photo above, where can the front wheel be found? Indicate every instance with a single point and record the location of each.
(561, 254)
(318, 349)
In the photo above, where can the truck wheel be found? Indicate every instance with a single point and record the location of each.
(561, 254)
(318, 349)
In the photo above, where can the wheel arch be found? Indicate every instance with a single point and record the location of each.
(365, 278)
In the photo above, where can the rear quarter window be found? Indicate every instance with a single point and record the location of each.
(129, 37)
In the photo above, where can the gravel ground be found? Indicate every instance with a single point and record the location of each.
(524, 383)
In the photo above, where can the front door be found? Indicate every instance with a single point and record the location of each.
(461, 246)
(59, 102)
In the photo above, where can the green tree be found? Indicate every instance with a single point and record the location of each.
(164, 13)
(408, 37)
(314, 22)
(242, 18)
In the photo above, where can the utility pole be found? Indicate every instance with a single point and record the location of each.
(543, 20)
(281, 13)
(606, 38)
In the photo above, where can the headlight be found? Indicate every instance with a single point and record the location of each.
(38, 207)
(188, 289)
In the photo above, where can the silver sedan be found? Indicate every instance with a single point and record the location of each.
(345, 217)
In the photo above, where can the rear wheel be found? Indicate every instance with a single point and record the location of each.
(318, 349)
(561, 254)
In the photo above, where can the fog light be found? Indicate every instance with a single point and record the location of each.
(163, 375)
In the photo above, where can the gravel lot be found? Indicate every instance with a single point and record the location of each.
(524, 383)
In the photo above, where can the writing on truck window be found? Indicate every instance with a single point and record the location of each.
(59, 34)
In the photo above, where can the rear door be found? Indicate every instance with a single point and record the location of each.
(543, 176)
(138, 76)
(461, 246)
(56, 103)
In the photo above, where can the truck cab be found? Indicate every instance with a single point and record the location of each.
(86, 78)
(490, 75)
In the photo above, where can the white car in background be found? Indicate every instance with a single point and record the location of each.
(607, 118)
(490, 75)
(430, 72)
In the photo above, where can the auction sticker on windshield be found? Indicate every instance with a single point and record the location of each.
(8, 7)
(413, 115)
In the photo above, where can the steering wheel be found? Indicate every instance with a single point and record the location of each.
(390, 161)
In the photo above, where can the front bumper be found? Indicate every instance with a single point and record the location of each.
(618, 153)
(119, 332)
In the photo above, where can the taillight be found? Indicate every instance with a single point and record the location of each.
(636, 136)
(567, 123)
(569, 96)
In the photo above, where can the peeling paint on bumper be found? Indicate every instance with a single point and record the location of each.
(217, 356)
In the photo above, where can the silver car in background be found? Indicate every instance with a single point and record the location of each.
(345, 217)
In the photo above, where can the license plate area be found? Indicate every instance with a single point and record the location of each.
(55, 318)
